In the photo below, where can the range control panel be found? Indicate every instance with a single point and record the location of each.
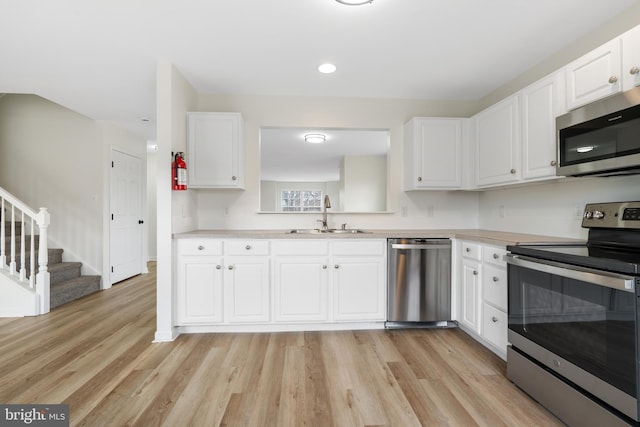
(612, 215)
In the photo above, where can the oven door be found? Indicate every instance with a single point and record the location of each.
(578, 322)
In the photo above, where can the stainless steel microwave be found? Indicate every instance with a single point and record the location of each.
(601, 138)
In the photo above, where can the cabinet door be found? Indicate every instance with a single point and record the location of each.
(359, 287)
(470, 294)
(301, 289)
(540, 107)
(631, 58)
(594, 75)
(494, 327)
(247, 289)
(215, 150)
(497, 138)
(199, 290)
(433, 153)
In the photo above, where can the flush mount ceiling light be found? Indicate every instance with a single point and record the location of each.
(327, 68)
(354, 2)
(315, 138)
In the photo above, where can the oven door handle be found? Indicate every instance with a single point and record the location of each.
(598, 277)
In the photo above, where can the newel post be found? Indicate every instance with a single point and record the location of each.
(42, 278)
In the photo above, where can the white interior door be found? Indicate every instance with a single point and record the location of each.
(126, 216)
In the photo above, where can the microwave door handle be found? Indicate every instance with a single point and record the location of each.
(589, 275)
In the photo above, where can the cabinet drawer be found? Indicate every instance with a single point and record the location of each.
(471, 250)
(199, 247)
(494, 286)
(494, 326)
(358, 247)
(247, 247)
(300, 247)
(494, 255)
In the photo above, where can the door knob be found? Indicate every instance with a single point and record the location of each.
(140, 221)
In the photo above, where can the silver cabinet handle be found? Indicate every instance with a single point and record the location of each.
(634, 70)
(419, 178)
(324, 267)
(233, 178)
(495, 278)
(496, 256)
(613, 79)
(475, 273)
(494, 319)
(513, 171)
(248, 247)
(336, 266)
(467, 250)
(200, 248)
(230, 267)
(218, 267)
(553, 163)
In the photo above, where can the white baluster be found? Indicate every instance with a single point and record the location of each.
(32, 256)
(12, 263)
(42, 278)
(23, 264)
(3, 250)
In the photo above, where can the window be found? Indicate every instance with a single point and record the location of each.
(301, 200)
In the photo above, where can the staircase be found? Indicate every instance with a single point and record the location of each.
(33, 277)
(65, 281)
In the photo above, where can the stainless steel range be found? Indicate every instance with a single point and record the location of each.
(573, 320)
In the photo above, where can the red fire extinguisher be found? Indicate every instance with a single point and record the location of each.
(179, 172)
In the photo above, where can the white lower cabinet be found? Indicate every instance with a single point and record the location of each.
(280, 282)
(483, 294)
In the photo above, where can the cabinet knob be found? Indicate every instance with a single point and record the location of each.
(494, 319)
(634, 70)
(324, 267)
(336, 266)
(553, 163)
(248, 247)
(475, 273)
(613, 79)
(200, 248)
(495, 278)
(218, 267)
(419, 178)
(467, 249)
(513, 171)
(496, 256)
(230, 267)
(233, 178)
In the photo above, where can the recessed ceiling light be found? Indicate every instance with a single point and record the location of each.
(315, 138)
(354, 2)
(327, 68)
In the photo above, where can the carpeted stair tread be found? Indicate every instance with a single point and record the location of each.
(73, 289)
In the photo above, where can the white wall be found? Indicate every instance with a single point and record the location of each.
(176, 210)
(220, 209)
(365, 183)
(53, 157)
(552, 209)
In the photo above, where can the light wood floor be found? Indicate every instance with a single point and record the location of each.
(96, 355)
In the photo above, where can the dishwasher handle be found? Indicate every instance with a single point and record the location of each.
(419, 246)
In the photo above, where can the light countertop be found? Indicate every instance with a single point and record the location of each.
(499, 238)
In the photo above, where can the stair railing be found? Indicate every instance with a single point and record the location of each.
(31, 223)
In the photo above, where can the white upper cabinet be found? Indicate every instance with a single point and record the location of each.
(631, 58)
(595, 75)
(541, 103)
(215, 150)
(433, 153)
(497, 136)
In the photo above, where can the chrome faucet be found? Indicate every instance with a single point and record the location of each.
(325, 206)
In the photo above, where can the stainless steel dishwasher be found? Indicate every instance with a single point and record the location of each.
(419, 283)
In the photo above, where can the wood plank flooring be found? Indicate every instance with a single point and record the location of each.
(96, 355)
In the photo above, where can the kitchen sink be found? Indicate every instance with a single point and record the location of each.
(323, 231)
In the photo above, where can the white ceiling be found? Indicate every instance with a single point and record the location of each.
(99, 57)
